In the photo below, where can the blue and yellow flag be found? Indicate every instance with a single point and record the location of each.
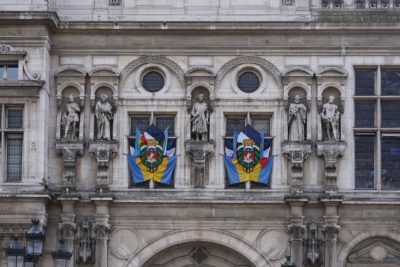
(247, 157)
(152, 158)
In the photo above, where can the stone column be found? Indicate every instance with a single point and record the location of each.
(102, 229)
(296, 227)
(67, 226)
(331, 229)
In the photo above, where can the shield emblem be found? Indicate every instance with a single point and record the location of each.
(151, 154)
(248, 154)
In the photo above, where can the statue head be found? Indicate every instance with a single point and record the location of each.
(71, 98)
(103, 97)
(297, 99)
(331, 99)
(200, 97)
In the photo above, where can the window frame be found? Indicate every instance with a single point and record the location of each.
(4, 65)
(378, 131)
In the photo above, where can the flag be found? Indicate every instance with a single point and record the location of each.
(153, 156)
(247, 157)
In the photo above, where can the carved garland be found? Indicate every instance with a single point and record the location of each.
(249, 60)
(155, 60)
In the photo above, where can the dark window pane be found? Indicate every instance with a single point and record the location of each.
(164, 122)
(365, 115)
(248, 82)
(234, 123)
(153, 81)
(14, 118)
(261, 124)
(364, 161)
(14, 160)
(1, 72)
(142, 123)
(390, 114)
(390, 83)
(12, 72)
(390, 163)
(365, 82)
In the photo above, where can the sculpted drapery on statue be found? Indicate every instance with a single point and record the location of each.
(200, 118)
(104, 115)
(71, 118)
(330, 116)
(297, 120)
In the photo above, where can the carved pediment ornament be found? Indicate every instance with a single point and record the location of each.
(376, 250)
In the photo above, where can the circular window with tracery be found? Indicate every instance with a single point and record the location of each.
(248, 82)
(153, 81)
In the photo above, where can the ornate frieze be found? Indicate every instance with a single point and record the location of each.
(330, 152)
(103, 152)
(69, 152)
(297, 153)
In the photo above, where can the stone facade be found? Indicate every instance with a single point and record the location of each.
(81, 190)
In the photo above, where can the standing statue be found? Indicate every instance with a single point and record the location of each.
(330, 117)
(297, 120)
(71, 116)
(200, 116)
(104, 115)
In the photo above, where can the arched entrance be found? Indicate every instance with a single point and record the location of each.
(195, 254)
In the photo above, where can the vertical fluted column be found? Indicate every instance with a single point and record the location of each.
(102, 229)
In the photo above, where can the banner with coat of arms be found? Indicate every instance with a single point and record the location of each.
(152, 157)
(247, 157)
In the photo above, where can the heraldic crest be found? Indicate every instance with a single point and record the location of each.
(152, 156)
(247, 157)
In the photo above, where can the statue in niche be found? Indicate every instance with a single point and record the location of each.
(297, 120)
(200, 118)
(71, 118)
(330, 116)
(104, 115)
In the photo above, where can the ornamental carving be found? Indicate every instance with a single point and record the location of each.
(86, 242)
(249, 60)
(67, 230)
(69, 152)
(102, 230)
(296, 231)
(330, 231)
(199, 152)
(171, 65)
(297, 153)
(330, 152)
(103, 152)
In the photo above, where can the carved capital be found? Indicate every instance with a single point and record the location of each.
(69, 152)
(102, 230)
(296, 231)
(330, 152)
(330, 231)
(297, 153)
(103, 152)
(67, 230)
(199, 151)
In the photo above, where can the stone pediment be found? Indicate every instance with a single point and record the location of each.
(297, 71)
(376, 251)
(331, 71)
(199, 72)
(103, 71)
(70, 71)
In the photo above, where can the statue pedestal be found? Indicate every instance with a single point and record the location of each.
(199, 152)
(297, 153)
(69, 151)
(103, 152)
(330, 151)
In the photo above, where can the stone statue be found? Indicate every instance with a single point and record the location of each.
(330, 118)
(71, 117)
(297, 120)
(200, 116)
(104, 115)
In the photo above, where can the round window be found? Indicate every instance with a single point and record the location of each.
(248, 82)
(153, 81)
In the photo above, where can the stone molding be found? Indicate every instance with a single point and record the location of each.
(103, 152)
(69, 152)
(171, 65)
